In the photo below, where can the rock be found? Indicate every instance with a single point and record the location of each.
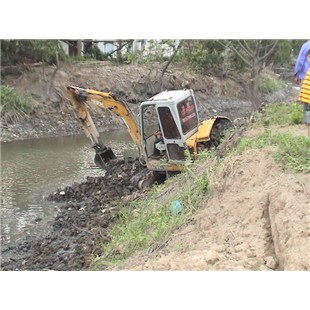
(271, 262)
(62, 193)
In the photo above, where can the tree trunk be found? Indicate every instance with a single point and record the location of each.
(167, 65)
(79, 48)
(255, 72)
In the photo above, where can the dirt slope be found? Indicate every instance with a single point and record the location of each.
(257, 219)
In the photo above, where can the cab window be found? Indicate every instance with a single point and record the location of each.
(188, 114)
(168, 124)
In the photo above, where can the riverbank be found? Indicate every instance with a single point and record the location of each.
(53, 114)
(252, 214)
(85, 212)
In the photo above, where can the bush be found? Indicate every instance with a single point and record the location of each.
(13, 107)
(15, 52)
(269, 83)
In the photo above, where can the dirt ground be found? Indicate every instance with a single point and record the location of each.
(256, 219)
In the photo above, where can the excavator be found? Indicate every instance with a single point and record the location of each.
(167, 133)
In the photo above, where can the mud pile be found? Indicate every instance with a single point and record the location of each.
(81, 223)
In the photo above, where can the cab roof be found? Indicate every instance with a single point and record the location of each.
(170, 95)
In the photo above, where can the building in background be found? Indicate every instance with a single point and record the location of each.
(112, 47)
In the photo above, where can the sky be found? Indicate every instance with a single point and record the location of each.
(195, 19)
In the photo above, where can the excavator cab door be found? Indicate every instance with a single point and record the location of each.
(149, 125)
(174, 114)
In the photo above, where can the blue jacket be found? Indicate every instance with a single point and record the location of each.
(302, 65)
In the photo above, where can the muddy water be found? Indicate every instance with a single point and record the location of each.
(32, 169)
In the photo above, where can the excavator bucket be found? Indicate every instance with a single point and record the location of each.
(103, 156)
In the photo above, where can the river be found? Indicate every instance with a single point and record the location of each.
(32, 169)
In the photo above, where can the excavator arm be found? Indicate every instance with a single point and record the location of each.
(80, 96)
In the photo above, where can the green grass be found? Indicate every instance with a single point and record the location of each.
(269, 83)
(10, 100)
(282, 114)
(146, 223)
(293, 152)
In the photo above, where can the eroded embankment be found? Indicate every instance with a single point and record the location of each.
(256, 219)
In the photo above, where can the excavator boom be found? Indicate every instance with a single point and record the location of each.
(80, 97)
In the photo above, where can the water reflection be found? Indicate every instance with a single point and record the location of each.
(32, 169)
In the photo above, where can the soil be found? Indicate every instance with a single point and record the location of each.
(256, 219)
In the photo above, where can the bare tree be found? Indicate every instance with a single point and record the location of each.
(176, 48)
(256, 54)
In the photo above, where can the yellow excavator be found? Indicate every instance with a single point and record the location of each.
(167, 133)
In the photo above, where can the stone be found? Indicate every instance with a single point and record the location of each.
(271, 262)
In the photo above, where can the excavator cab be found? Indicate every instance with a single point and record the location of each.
(174, 118)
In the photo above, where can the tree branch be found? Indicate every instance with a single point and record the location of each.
(269, 53)
(169, 62)
(245, 47)
(241, 56)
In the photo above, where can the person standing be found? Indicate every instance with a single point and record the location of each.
(302, 63)
(304, 96)
(302, 76)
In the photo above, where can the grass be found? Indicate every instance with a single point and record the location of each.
(282, 114)
(147, 222)
(293, 152)
(10, 100)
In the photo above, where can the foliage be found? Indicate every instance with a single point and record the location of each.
(15, 52)
(203, 56)
(283, 55)
(282, 114)
(97, 54)
(10, 100)
(296, 45)
(269, 83)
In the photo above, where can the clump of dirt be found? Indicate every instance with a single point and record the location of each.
(81, 223)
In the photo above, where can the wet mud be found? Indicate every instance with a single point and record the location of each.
(81, 224)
